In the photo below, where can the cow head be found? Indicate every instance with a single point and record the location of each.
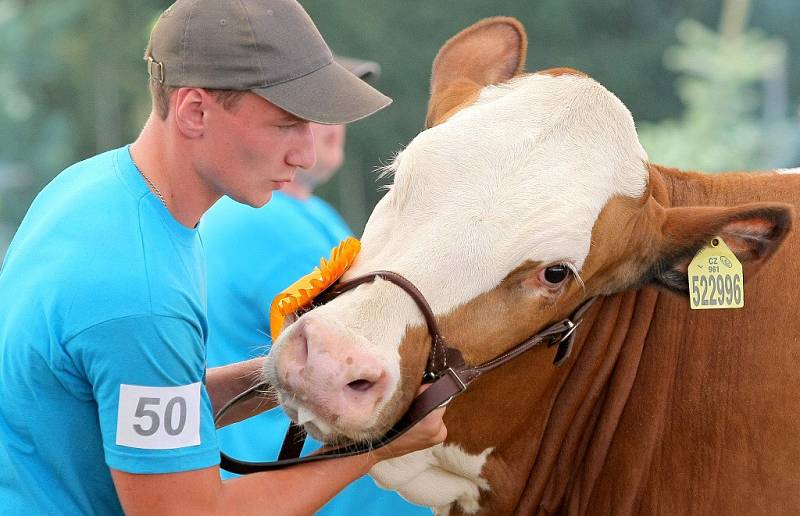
(526, 195)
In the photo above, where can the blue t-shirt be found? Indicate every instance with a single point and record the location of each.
(252, 255)
(102, 343)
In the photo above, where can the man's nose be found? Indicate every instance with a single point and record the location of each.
(302, 153)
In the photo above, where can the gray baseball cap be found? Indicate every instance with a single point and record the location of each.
(270, 47)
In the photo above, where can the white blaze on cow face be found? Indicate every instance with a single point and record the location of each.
(520, 175)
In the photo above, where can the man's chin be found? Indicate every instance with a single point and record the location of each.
(263, 200)
(253, 201)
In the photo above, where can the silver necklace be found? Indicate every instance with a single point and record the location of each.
(154, 188)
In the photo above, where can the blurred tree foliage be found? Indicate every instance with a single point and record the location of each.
(73, 80)
(71, 76)
(732, 84)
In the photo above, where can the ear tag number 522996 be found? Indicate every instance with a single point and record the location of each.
(715, 278)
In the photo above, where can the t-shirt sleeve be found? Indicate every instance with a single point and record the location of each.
(147, 375)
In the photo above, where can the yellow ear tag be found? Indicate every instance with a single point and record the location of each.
(302, 292)
(715, 278)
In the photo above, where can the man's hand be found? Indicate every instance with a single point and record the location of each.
(226, 382)
(430, 431)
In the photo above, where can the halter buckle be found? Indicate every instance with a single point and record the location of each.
(564, 341)
(459, 383)
(569, 329)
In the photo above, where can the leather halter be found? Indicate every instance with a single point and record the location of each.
(446, 371)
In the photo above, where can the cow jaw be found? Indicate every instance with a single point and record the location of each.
(437, 477)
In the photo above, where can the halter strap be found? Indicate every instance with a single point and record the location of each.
(437, 359)
(446, 371)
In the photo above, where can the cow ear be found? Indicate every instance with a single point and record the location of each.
(752, 231)
(488, 52)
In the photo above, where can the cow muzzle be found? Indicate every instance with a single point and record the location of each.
(326, 379)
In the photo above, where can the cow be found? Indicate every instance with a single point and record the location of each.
(526, 195)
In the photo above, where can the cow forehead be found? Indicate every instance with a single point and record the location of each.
(520, 175)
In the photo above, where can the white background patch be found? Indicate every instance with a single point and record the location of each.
(158, 418)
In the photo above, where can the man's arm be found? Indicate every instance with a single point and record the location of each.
(299, 490)
(225, 382)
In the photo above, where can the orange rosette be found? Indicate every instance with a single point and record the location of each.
(302, 292)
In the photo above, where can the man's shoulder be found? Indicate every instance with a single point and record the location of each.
(89, 195)
(122, 284)
(95, 252)
(97, 171)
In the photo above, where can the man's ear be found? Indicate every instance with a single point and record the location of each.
(752, 231)
(491, 51)
(189, 110)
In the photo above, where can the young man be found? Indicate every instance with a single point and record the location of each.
(107, 405)
(252, 255)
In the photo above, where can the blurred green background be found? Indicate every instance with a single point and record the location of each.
(713, 85)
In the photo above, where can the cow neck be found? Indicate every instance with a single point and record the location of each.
(571, 443)
(664, 186)
(673, 187)
(556, 410)
(638, 420)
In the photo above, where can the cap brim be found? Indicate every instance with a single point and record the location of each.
(329, 95)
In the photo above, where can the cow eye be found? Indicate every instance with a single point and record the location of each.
(555, 274)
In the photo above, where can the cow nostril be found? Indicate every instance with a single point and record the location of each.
(360, 385)
(300, 348)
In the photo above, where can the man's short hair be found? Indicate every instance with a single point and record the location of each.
(160, 95)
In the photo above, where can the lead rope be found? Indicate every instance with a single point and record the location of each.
(422, 405)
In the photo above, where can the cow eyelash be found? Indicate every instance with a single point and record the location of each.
(576, 274)
(570, 270)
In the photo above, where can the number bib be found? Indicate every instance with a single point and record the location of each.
(715, 278)
(158, 418)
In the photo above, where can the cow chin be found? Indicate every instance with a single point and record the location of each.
(331, 428)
